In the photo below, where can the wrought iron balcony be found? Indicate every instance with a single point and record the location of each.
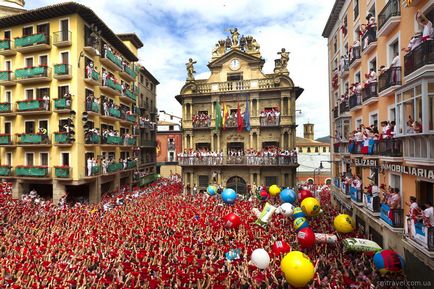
(62, 71)
(111, 61)
(33, 138)
(92, 139)
(92, 78)
(418, 232)
(6, 48)
(112, 140)
(355, 56)
(5, 107)
(371, 203)
(369, 93)
(269, 121)
(33, 105)
(35, 74)
(239, 161)
(393, 217)
(356, 195)
(128, 73)
(32, 43)
(31, 171)
(62, 138)
(389, 17)
(111, 87)
(131, 118)
(5, 170)
(112, 168)
(130, 95)
(62, 38)
(62, 172)
(62, 104)
(355, 100)
(419, 57)
(343, 107)
(92, 106)
(114, 112)
(389, 78)
(369, 40)
(7, 78)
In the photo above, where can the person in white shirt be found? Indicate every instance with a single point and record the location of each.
(427, 26)
(429, 212)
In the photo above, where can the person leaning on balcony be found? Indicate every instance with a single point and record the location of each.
(46, 102)
(89, 166)
(429, 213)
(89, 69)
(414, 207)
(394, 200)
(414, 42)
(427, 26)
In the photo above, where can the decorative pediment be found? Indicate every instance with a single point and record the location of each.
(218, 62)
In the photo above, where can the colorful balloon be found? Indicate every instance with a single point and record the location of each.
(360, 245)
(288, 196)
(303, 194)
(300, 223)
(260, 258)
(325, 238)
(211, 190)
(388, 261)
(286, 209)
(274, 190)
(344, 223)
(262, 195)
(229, 196)
(306, 237)
(298, 213)
(232, 221)
(297, 269)
(280, 247)
(310, 206)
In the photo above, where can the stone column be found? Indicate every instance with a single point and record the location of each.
(250, 140)
(17, 189)
(58, 191)
(95, 191)
(218, 142)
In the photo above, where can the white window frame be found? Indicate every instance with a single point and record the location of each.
(400, 185)
(69, 56)
(25, 60)
(5, 96)
(48, 158)
(10, 122)
(7, 159)
(6, 61)
(60, 24)
(29, 120)
(394, 38)
(360, 76)
(389, 112)
(359, 119)
(369, 63)
(48, 59)
(61, 157)
(48, 124)
(375, 112)
(27, 160)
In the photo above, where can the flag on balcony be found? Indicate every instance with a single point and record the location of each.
(247, 115)
(239, 119)
(225, 115)
(218, 116)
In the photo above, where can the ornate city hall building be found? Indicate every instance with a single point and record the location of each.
(239, 124)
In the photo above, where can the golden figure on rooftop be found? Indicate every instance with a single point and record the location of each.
(235, 34)
(190, 69)
(219, 49)
(284, 57)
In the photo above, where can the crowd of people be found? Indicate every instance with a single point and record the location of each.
(270, 156)
(201, 120)
(270, 117)
(105, 162)
(158, 237)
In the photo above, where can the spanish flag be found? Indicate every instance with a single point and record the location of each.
(225, 115)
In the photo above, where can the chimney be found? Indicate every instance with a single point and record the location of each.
(308, 131)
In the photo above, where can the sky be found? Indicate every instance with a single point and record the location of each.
(175, 30)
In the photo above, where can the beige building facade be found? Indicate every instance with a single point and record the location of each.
(237, 80)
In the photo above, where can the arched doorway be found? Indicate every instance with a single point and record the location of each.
(237, 184)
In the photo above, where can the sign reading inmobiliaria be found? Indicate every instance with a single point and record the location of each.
(418, 172)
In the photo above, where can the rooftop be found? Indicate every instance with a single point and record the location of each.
(333, 18)
(301, 141)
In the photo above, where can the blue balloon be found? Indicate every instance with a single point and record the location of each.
(229, 196)
(212, 190)
(288, 196)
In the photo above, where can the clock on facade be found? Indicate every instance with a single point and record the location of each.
(235, 64)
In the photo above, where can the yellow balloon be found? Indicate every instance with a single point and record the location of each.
(310, 206)
(344, 223)
(297, 269)
(274, 190)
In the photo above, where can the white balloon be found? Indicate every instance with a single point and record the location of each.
(286, 209)
(260, 258)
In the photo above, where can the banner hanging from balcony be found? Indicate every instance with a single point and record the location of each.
(413, 171)
(247, 116)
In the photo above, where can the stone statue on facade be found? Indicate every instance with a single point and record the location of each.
(190, 69)
(252, 47)
(284, 57)
(235, 34)
(219, 49)
(228, 43)
(243, 43)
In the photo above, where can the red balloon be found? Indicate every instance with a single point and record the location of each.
(232, 221)
(303, 194)
(306, 237)
(280, 247)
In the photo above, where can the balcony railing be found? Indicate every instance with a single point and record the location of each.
(419, 57)
(235, 85)
(130, 141)
(114, 112)
(61, 103)
(391, 9)
(62, 70)
(201, 122)
(5, 139)
(33, 105)
(243, 160)
(5, 45)
(355, 54)
(92, 106)
(392, 217)
(32, 138)
(231, 122)
(343, 107)
(62, 138)
(31, 171)
(418, 232)
(113, 58)
(356, 195)
(389, 78)
(148, 179)
(32, 72)
(369, 37)
(92, 138)
(149, 143)
(267, 121)
(130, 71)
(116, 140)
(130, 94)
(5, 107)
(92, 77)
(5, 170)
(371, 203)
(62, 38)
(418, 148)
(391, 147)
(345, 188)
(62, 171)
(6, 77)
(355, 100)
(370, 91)
(131, 117)
(114, 86)
(112, 168)
(32, 40)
